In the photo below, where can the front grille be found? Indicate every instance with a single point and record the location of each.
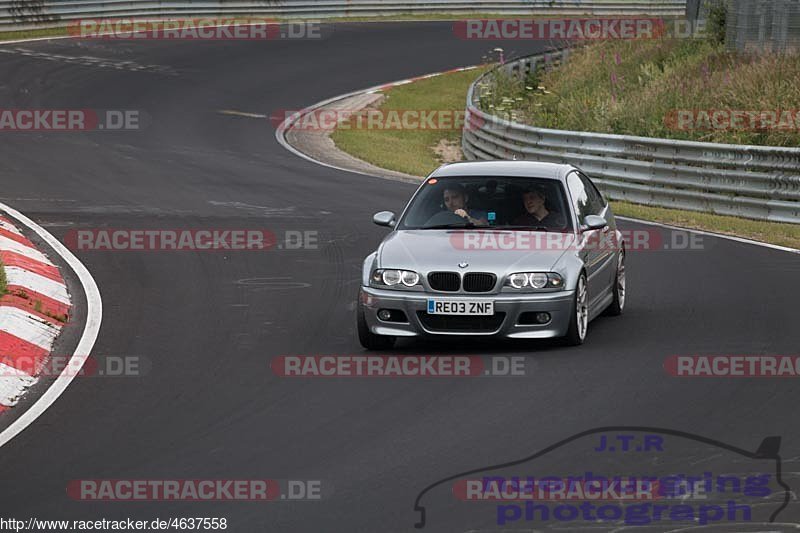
(479, 282)
(444, 281)
(470, 324)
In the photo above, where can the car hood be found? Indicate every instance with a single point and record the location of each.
(484, 250)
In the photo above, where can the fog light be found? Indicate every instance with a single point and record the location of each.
(542, 318)
(385, 314)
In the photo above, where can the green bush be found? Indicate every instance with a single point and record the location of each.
(717, 18)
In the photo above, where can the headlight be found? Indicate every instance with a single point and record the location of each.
(535, 280)
(518, 280)
(409, 278)
(390, 277)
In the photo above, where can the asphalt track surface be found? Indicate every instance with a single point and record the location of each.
(210, 323)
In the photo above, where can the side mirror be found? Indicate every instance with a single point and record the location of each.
(592, 222)
(384, 218)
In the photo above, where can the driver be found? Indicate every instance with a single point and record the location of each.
(534, 198)
(455, 200)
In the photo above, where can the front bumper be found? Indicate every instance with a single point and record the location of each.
(414, 305)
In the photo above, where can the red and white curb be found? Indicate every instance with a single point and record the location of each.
(28, 328)
(33, 310)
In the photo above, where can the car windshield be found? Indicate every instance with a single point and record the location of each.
(532, 204)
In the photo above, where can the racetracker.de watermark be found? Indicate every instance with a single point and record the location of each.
(554, 489)
(193, 29)
(643, 240)
(75, 366)
(688, 498)
(733, 366)
(566, 28)
(578, 29)
(210, 239)
(766, 120)
(327, 120)
(197, 490)
(57, 120)
(399, 366)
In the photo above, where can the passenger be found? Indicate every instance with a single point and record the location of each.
(536, 214)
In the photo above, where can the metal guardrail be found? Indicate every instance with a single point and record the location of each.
(29, 14)
(758, 182)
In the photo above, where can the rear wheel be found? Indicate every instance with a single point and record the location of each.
(369, 340)
(618, 303)
(579, 321)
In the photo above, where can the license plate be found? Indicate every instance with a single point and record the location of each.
(460, 307)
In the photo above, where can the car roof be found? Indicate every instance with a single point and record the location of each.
(522, 169)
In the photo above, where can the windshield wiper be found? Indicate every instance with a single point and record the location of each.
(528, 228)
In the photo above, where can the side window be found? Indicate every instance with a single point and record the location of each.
(596, 202)
(579, 196)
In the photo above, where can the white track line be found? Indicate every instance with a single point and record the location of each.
(94, 317)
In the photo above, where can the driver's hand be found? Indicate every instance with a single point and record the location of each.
(461, 213)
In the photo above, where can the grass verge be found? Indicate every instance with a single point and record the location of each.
(32, 34)
(412, 152)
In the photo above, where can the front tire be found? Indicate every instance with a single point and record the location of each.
(618, 303)
(369, 340)
(579, 321)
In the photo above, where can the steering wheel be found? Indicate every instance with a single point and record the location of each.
(443, 218)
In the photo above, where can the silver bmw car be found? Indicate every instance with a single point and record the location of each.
(510, 249)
